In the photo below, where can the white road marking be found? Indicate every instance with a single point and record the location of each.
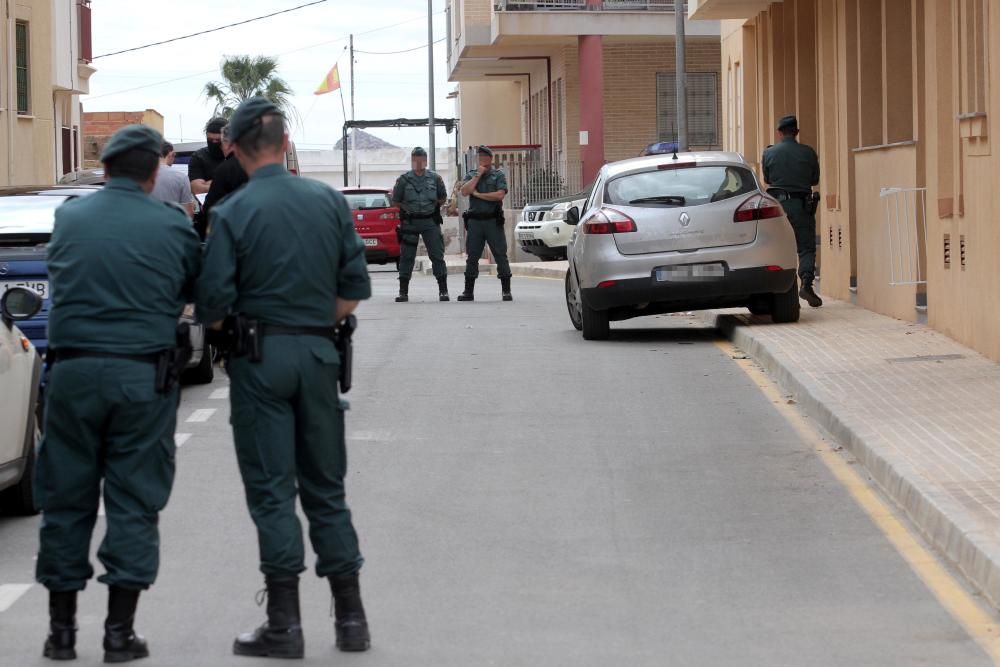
(201, 415)
(10, 593)
(181, 438)
(220, 394)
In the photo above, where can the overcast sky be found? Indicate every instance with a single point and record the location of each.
(307, 42)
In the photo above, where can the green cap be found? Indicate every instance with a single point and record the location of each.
(418, 152)
(141, 137)
(485, 150)
(788, 122)
(247, 115)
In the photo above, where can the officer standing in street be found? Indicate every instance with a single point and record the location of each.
(791, 170)
(419, 194)
(111, 397)
(486, 188)
(285, 265)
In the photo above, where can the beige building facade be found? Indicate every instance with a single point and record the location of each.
(898, 97)
(584, 81)
(45, 66)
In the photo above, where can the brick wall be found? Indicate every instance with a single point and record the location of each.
(100, 125)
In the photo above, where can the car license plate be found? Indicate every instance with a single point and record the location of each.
(691, 272)
(40, 286)
(525, 236)
(371, 243)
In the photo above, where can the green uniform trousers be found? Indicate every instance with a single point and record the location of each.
(411, 232)
(478, 234)
(288, 423)
(804, 224)
(105, 421)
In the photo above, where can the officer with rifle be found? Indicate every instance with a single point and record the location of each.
(115, 355)
(419, 195)
(486, 188)
(283, 268)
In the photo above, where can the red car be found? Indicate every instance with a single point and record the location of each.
(376, 220)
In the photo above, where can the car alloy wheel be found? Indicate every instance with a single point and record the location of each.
(573, 302)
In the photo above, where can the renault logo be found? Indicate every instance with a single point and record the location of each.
(4, 269)
(685, 219)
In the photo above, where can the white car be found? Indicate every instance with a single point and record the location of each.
(20, 369)
(542, 230)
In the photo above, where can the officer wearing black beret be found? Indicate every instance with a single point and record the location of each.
(791, 169)
(283, 253)
(107, 418)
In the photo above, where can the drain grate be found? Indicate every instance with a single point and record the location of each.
(926, 357)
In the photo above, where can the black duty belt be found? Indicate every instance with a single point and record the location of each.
(782, 193)
(279, 330)
(65, 354)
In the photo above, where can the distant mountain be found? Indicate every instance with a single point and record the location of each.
(364, 142)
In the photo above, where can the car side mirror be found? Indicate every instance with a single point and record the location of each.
(19, 303)
(573, 216)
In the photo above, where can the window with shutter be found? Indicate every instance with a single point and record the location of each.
(703, 108)
(21, 65)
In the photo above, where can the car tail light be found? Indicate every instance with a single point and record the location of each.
(609, 221)
(758, 207)
(391, 215)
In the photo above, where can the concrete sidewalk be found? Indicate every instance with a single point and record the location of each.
(919, 410)
(456, 265)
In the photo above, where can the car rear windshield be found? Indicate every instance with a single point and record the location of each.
(28, 214)
(362, 200)
(687, 186)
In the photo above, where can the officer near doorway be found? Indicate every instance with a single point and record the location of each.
(419, 195)
(284, 265)
(486, 188)
(115, 354)
(791, 169)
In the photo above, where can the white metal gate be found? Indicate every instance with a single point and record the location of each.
(905, 211)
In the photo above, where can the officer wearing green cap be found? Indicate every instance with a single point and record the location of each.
(121, 267)
(791, 169)
(419, 194)
(486, 188)
(284, 260)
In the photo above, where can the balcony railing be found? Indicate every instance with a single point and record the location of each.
(563, 5)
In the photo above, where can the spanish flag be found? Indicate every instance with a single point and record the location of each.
(330, 83)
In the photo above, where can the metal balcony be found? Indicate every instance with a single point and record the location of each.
(565, 5)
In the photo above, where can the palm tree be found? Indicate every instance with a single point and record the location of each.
(244, 77)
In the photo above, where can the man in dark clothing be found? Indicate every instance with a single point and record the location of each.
(229, 176)
(201, 168)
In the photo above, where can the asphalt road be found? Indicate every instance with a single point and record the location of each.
(526, 498)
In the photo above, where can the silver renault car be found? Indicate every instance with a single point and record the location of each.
(677, 232)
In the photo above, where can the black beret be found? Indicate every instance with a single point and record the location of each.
(418, 152)
(247, 115)
(485, 150)
(141, 137)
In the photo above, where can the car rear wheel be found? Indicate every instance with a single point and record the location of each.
(573, 302)
(785, 307)
(760, 305)
(204, 372)
(596, 325)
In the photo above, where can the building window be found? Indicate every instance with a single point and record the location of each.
(21, 64)
(974, 58)
(703, 108)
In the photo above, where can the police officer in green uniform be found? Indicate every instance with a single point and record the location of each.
(283, 254)
(486, 188)
(791, 170)
(121, 267)
(419, 194)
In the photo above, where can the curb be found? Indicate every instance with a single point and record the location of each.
(519, 269)
(961, 538)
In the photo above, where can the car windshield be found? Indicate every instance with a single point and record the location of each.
(28, 214)
(690, 186)
(362, 200)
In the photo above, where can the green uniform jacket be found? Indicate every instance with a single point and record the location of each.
(122, 266)
(791, 166)
(420, 196)
(494, 181)
(282, 250)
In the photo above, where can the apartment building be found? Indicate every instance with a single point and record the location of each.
(44, 68)
(583, 81)
(898, 97)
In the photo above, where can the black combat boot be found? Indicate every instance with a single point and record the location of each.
(61, 644)
(121, 644)
(469, 293)
(281, 636)
(404, 291)
(505, 289)
(810, 295)
(443, 289)
(350, 623)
